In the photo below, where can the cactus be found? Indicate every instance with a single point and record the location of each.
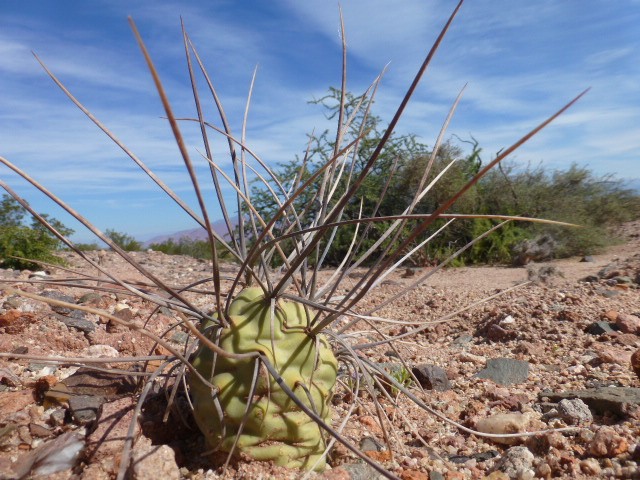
(254, 416)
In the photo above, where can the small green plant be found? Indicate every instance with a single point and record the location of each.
(402, 376)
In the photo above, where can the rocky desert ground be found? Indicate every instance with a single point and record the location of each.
(558, 351)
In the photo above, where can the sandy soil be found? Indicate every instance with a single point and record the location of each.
(545, 324)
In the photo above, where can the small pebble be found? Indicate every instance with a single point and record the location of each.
(501, 423)
(575, 412)
(590, 466)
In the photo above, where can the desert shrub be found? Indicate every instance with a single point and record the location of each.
(27, 243)
(124, 240)
(574, 195)
(11, 212)
(184, 246)
(200, 249)
(20, 243)
(87, 247)
(496, 247)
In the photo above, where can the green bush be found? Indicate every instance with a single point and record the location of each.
(574, 195)
(124, 240)
(200, 249)
(496, 247)
(184, 246)
(19, 243)
(28, 244)
(87, 247)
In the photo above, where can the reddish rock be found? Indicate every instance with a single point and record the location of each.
(628, 323)
(453, 475)
(372, 424)
(635, 362)
(544, 470)
(556, 440)
(610, 315)
(15, 321)
(496, 333)
(12, 402)
(383, 456)
(610, 354)
(569, 316)
(413, 475)
(513, 402)
(337, 473)
(607, 443)
(39, 431)
(530, 349)
(627, 339)
(590, 466)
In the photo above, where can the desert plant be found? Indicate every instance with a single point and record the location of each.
(200, 249)
(123, 240)
(87, 247)
(573, 195)
(23, 247)
(306, 363)
(26, 247)
(262, 375)
(11, 212)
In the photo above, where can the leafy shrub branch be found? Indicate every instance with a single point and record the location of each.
(200, 249)
(20, 243)
(573, 195)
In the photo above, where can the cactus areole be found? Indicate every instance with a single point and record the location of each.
(268, 424)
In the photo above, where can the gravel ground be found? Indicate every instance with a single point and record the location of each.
(556, 352)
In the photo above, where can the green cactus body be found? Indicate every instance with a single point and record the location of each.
(275, 428)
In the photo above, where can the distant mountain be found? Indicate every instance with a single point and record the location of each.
(193, 234)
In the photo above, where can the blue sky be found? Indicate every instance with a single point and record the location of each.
(522, 60)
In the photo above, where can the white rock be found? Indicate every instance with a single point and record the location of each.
(40, 275)
(575, 412)
(56, 455)
(120, 306)
(47, 370)
(100, 351)
(504, 423)
(517, 463)
(507, 321)
(576, 369)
